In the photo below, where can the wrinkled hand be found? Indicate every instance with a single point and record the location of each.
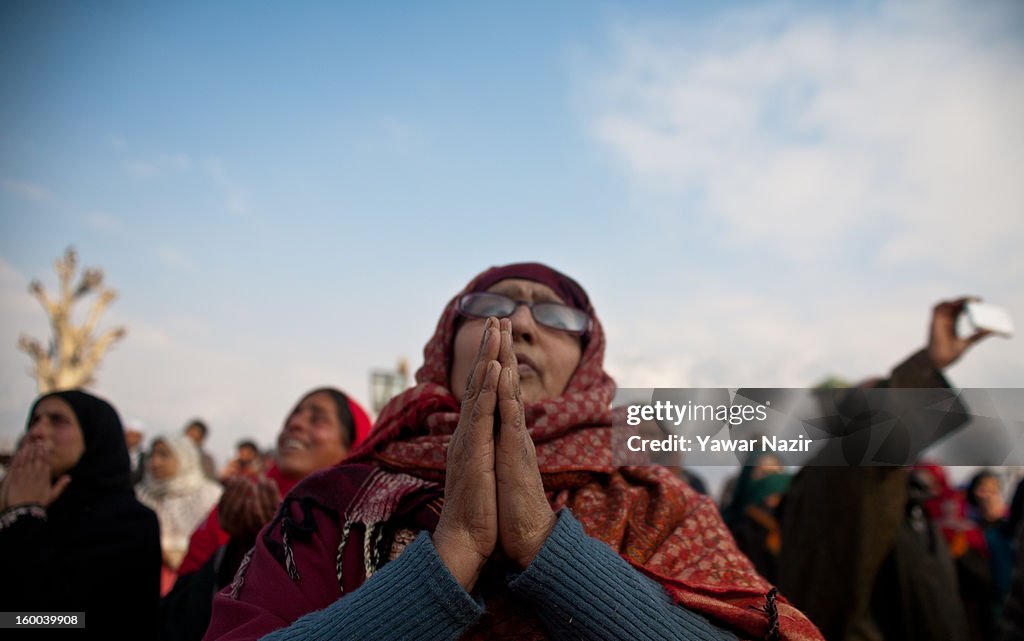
(247, 505)
(493, 488)
(525, 518)
(467, 531)
(28, 480)
(944, 346)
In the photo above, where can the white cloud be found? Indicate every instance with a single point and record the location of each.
(870, 161)
(235, 199)
(742, 339)
(24, 189)
(161, 165)
(19, 314)
(900, 127)
(176, 259)
(14, 295)
(190, 326)
(104, 222)
(234, 195)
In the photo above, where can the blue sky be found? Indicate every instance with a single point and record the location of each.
(286, 196)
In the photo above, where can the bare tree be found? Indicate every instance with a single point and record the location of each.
(74, 352)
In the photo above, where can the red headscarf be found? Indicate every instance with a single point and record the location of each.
(361, 421)
(948, 508)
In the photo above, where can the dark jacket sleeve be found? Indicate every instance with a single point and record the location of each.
(106, 565)
(120, 571)
(26, 561)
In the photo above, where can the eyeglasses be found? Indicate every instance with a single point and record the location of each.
(553, 315)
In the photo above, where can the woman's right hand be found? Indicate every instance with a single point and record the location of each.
(28, 479)
(467, 532)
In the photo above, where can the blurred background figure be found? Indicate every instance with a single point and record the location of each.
(861, 555)
(174, 487)
(134, 435)
(751, 514)
(198, 431)
(1010, 626)
(989, 510)
(269, 458)
(690, 477)
(248, 462)
(947, 509)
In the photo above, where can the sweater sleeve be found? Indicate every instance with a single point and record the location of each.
(112, 575)
(582, 589)
(434, 607)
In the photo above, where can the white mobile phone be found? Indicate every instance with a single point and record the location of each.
(991, 317)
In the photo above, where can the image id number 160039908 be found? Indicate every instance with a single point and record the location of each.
(10, 620)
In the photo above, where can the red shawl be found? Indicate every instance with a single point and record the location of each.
(655, 521)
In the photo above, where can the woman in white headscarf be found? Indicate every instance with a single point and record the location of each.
(175, 488)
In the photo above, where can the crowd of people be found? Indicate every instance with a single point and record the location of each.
(483, 503)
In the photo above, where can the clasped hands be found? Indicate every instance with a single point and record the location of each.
(493, 493)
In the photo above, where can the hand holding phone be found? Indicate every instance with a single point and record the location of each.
(985, 316)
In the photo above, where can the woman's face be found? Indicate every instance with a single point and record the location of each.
(766, 466)
(163, 464)
(311, 439)
(547, 357)
(989, 495)
(55, 426)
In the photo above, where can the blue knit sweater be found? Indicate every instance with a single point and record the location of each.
(579, 587)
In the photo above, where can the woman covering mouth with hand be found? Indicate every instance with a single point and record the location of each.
(485, 505)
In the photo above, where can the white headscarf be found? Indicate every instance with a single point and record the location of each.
(189, 475)
(182, 501)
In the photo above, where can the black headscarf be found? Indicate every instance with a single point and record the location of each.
(104, 467)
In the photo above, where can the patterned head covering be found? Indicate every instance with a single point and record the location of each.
(413, 430)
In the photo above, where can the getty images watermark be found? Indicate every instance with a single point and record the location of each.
(858, 427)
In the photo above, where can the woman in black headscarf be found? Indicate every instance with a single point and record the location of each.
(73, 538)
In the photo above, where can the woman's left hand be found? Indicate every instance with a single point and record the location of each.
(247, 505)
(525, 518)
(28, 481)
